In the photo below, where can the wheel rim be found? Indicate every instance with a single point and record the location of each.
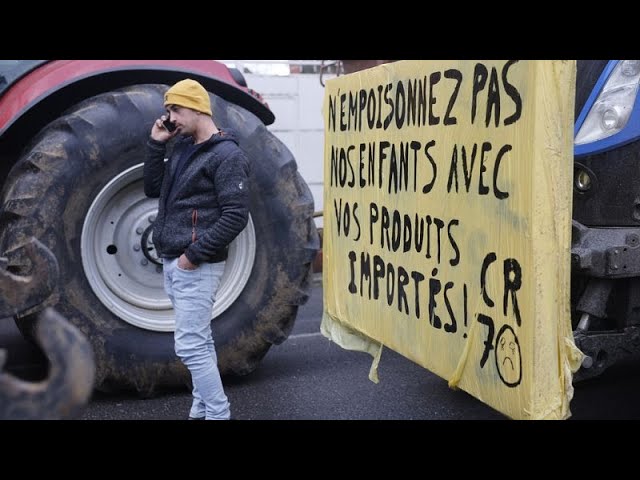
(122, 266)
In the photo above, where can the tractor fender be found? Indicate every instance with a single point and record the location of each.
(53, 86)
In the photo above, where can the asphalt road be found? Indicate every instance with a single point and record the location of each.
(310, 378)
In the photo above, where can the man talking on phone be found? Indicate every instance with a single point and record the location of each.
(203, 205)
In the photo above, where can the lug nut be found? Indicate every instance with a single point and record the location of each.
(144, 262)
(136, 248)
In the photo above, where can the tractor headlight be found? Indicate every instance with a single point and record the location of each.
(611, 110)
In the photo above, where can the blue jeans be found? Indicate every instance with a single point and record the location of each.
(192, 293)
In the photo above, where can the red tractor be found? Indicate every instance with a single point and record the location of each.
(72, 146)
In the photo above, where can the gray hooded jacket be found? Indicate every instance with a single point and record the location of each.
(213, 182)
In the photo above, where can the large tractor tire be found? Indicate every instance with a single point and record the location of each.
(78, 189)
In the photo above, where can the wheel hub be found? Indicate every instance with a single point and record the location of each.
(123, 267)
(147, 247)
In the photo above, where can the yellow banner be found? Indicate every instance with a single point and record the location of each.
(447, 224)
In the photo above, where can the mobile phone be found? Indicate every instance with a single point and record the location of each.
(170, 126)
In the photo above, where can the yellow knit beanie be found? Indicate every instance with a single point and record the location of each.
(188, 93)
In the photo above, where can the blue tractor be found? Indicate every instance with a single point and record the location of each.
(605, 249)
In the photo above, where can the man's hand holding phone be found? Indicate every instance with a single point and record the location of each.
(163, 129)
(169, 125)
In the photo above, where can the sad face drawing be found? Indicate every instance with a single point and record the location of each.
(508, 358)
